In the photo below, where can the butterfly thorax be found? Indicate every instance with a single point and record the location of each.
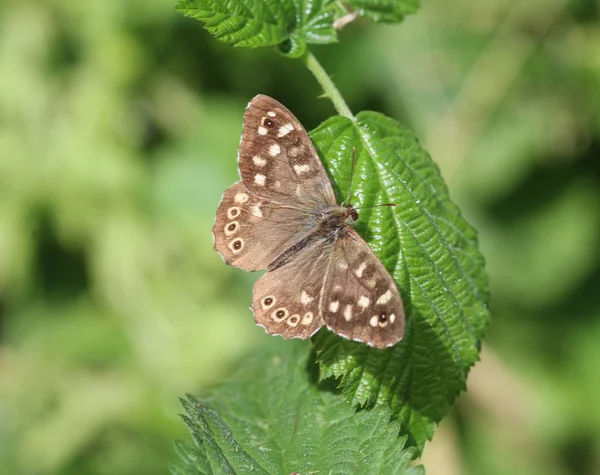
(335, 221)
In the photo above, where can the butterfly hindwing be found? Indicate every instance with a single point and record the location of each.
(277, 159)
(360, 299)
(286, 300)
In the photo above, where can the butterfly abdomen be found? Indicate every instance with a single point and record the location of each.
(287, 255)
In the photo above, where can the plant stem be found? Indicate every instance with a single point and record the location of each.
(328, 86)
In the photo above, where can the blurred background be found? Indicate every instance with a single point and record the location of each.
(119, 123)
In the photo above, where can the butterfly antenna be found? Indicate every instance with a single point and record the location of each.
(352, 166)
(393, 205)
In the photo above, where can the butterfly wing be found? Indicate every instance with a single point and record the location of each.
(283, 187)
(344, 286)
(277, 159)
(250, 232)
(360, 299)
(287, 299)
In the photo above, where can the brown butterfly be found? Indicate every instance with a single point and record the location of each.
(283, 217)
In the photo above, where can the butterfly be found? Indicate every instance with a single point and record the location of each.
(283, 216)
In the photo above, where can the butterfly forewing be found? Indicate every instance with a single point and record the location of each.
(277, 160)
(250, 232)
(361, 300)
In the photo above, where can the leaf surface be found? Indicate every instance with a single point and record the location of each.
(389, 11)
(272, 418)
(431, 252)
(291, 24)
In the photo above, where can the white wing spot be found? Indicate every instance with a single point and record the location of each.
(294, 151)
(259, 179)
(274, 150)
(233, 212)
(348, 313)
(256, 211)
(231, 228)
(285, 129)
(241, 198)
(299, 190)
(385, 298)
(334, 306)
(271, 114)
(294, 320)
(363, 301)
(342, 265)
(361, 268)
(259, 161)
(392, 318)
(267, 302)
(305, 299)
(307, 318)
(280, 314)
(300, 169)
(236, 245)
(262, 130)
(374, 320)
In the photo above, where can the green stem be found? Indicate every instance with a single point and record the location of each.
(328, 86)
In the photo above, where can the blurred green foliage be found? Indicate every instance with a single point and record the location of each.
(119, 123)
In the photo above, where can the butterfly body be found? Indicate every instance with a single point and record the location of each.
(330, 224)
(283, 217)
(336, 221)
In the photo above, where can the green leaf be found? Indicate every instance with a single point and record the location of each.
(272, 418)
(193, 456)
(291, 24)
(433, 255)
(416, 470)
(390, 11)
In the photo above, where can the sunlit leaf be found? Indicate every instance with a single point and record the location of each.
(433, 255)
(291, 24)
